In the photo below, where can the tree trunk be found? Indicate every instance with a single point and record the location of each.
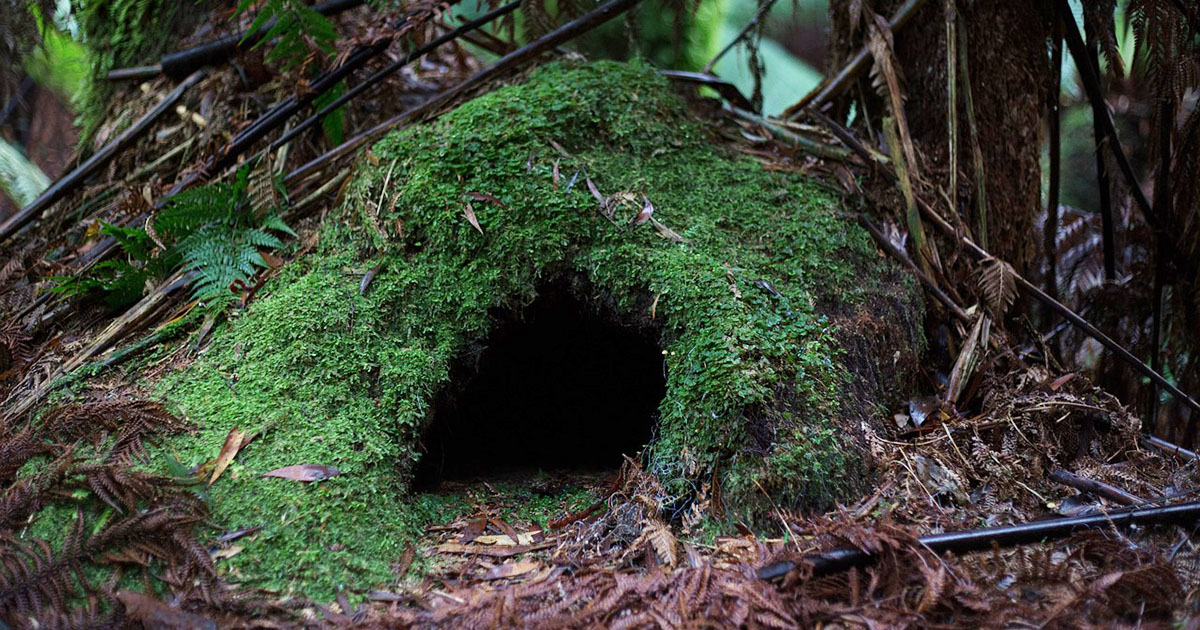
(1009, 68)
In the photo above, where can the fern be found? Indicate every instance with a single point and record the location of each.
(215, 230)
(297, 30)
(218, 232)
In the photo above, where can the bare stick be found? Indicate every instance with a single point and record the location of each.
(392, 68)
(1037, 293)
(546, 42)
(1050, 227)
(1098, 488)
(901, 256)
(758, 15)
(982, 539)
(68, 182)
(1169, 448)
(837, 83)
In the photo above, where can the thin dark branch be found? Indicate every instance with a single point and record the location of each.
(725, 89)
(758, 15)
(391, 69)
(1098, 488)
(1067, 313)
(901, 256)
(562, 34)
(1091, 84)
(1154, 375)
(849, 72)
(183, 62)
(1170, 449)
(1100, 133)
(983, 539)
(68, 182)
(1162, 208)
(1050, 228)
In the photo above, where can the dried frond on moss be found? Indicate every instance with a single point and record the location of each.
(127, 423)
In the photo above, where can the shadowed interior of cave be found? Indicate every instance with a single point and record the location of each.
(559, 388)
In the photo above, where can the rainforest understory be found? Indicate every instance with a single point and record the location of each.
(349, 326)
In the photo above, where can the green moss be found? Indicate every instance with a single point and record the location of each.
(339, 378)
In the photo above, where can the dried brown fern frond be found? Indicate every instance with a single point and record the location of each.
(24, 497)
(126, 422)
(121, 488)
(33, 578)
(19, 447)
(101, 612)
(998, 284)
(16, 346)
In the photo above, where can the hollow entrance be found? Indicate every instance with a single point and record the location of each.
(558, 388)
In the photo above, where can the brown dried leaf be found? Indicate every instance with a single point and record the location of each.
(968, 358)
(479, 196)
(233, 444)
(151, 613)
(510, 569)
(304, 472)
(469, 212)
(596, 192)
(227, 552)
(644, 214)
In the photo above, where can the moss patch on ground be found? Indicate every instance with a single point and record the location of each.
(755, 384)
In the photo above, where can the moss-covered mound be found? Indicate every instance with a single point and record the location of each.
(756, 388)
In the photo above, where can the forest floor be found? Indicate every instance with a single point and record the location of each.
(1027, 443)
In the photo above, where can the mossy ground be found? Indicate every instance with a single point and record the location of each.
(346, 379)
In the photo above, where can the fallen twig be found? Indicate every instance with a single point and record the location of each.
(980, 539)
(391, 68)
(901, 256)
(1169, 448)
(763, 8)
(834, 85)
(115, 330)
(1099, 488)
(1037, 293)
(68, 182)
(546, 42)
(183, 62)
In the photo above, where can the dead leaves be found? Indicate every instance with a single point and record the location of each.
(969, 358)
(494, 551)
(479, 196)
(304, 472)
(643, 212)
(469, 212)
(151, 613)
(233, 444)
(511, 569)
(643, 215)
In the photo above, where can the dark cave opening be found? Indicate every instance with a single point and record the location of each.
(558, 387)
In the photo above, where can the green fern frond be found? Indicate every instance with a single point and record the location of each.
(213, 230)
(297, 31)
